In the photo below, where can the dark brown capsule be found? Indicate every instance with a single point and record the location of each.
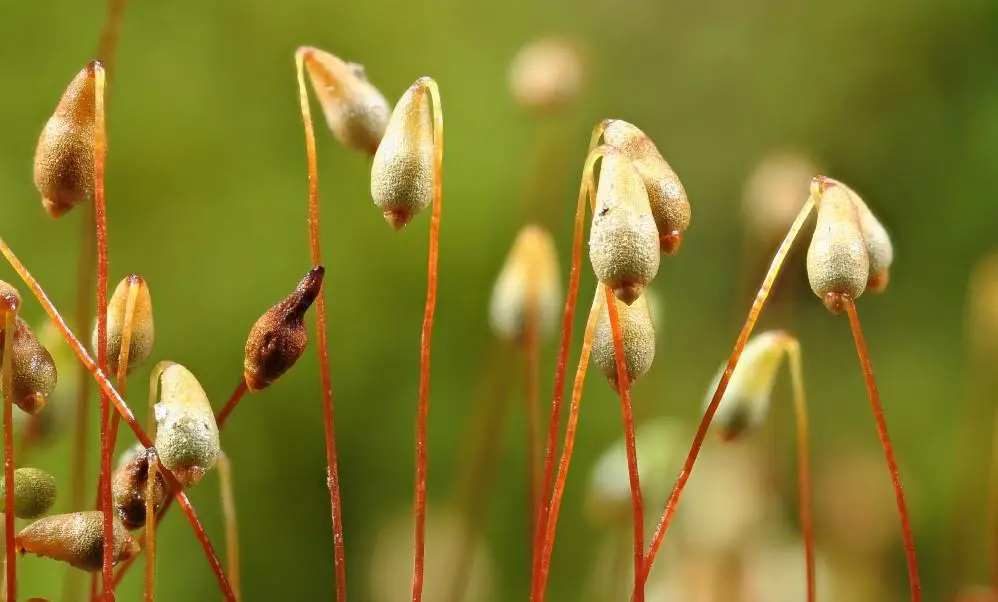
(76, 538)
(279, 337)
(64, 157)
(33, 369)
(129, 486)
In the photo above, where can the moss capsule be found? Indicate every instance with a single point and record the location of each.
(838, 263)
(34, 492)
(528, 287)
(34, 372)
(402, 171)
(279, 337)
(637, 334)
(355, 110)
(666, 195)
(76, 538)
(143, 332)
(186, 435)
(623, 240)
(64, 157)
(128, 488)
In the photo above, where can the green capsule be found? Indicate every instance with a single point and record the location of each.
(34, 492)
(186, 435)
(76, 538)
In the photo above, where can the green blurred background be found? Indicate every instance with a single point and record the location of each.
(207, 192)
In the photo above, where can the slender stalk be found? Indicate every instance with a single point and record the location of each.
(223, 415)
(126, 344)
(108, 389)
(623, 388)
(10, 556)
(885, 442)
(100, 216)
(708, 416)
(532, 393)
(419, 506)
(537, 591)
(803, 463)
(224, 467)
(332, 469)
(561, 363)
(150, 530)
(478, 471)
(108, 45)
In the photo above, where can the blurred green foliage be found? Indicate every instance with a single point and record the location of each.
(206, 194)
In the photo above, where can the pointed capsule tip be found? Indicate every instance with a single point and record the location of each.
(398, 219)
(32, 404)
(253, 382)
(54, 208)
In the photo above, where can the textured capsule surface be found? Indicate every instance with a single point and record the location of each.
(402, 171)
(623, 240)
(878, 242)
(637, 335)
(666, 195)
(528, 287)
(64, 157)
(76, 538)
(279, 337)
(33, 370)
(129, 488)
(546, 75)
(34, 492)
(746, 401)
(186, 435)
(143, 332)
(356, 112)
(838, 263)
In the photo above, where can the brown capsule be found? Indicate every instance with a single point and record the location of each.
(10, 299)
(355, 110)
(279, 337)
(64, 157)
(33, 370)
(129, 486)
(666, 196)
(143, 330)
(623, 240)
(637, 335)
(402, 171)
(546, 75)
(34, 492)
(76, 538)
(528, 286)
(186, 433)
(838, 264)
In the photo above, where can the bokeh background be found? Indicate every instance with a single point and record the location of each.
(207, 192)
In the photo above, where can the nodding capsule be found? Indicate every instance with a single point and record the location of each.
(33, 370)
(528, 287)
(623, 239)
(64, 157)
(637, 335)
(186, 434)
(129, 486)
(143, 330)
(745, 403)
(356, 112)
(838, 263)
(402, 171)
(279, 337)
(878, 242)
(34, 492)
(76, 538)
(666, 195)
